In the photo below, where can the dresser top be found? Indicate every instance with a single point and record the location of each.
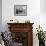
(19, 23)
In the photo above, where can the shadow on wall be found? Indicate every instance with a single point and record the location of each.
(0, 15)
(43, 6)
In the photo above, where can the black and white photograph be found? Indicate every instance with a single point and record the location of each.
(20, 10)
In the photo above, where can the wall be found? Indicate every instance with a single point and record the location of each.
(43, 14)
(43, 6)
(33, 14)
(33, 10)
(0, 15)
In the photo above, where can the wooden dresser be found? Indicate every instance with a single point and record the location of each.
(22, 33)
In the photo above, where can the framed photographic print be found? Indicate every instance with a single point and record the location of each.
(20, 10)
